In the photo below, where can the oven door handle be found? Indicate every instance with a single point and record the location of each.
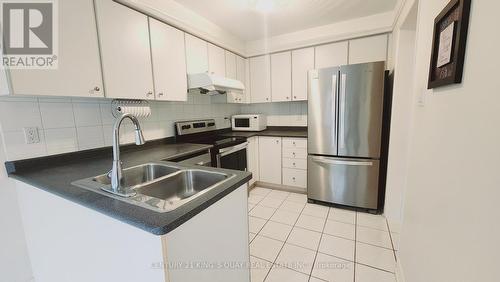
(234, 149)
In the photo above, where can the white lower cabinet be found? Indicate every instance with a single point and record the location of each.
(281, 161)
(253, 158)
(295, 177)
(294, 163)
(270, 159)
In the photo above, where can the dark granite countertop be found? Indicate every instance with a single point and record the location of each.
(56, 173)
(279, 131)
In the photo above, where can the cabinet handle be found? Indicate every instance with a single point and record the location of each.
(294, 97)
(97, 89)
(149, 93)
(287, 97)
(160, 94)
(267, 99)
(293, 179)
(293, 164)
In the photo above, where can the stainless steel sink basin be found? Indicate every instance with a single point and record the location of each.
(158, 186)
(181, 185)
(139, 174)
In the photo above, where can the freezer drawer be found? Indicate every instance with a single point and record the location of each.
(350, 182)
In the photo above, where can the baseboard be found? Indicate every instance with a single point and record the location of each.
(280, 187)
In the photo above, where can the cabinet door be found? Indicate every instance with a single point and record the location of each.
(241, 75)
(331, 55)
(231, 65)
(248, 87)
(196, 54)
(302, 62)
(270, 159)
(368, 49)
(126, 54)
(235, 97)
(281, 77)
(295, 177)
(79, 69)
(253, 158)
(260, 79)
(216, 60)
(169, 64)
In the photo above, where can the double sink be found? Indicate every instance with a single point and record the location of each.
(159, 186)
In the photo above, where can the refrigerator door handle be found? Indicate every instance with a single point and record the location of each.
(334, 98)
(342, 111)
(339, 162)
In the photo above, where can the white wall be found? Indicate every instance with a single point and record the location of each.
(280, 114)
(67, 125)
(451, 224)
(402, 113)
(14, 260)
(375, 24)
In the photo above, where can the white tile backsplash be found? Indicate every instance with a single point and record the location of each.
(90, 137)
(87, 114)
(19, 114)
(61, 140)
(67, 125)
(280, 114)
(56, 114)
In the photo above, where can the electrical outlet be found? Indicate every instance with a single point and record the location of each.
(31, 135)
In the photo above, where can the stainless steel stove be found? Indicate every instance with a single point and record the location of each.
(228, 152)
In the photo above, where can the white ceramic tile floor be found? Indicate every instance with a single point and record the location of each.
(291, 240)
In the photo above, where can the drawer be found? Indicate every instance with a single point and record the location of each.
(295, 153)
(295, 163)
(295, 177)
(295, 143)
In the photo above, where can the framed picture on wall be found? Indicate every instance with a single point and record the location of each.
(449, 44)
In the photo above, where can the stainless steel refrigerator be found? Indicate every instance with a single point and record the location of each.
(345, 108)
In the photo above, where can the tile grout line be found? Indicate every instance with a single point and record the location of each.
(355, 243)
(285, 238)
(320, 239)
(392, 241)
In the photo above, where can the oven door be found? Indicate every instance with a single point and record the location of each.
(233, 157)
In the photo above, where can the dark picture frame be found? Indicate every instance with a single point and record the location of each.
(451, 66)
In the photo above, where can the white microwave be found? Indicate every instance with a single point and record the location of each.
(249, 122)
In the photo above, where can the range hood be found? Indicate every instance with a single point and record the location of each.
(213, 84)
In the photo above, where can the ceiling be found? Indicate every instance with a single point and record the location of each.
(256, 19)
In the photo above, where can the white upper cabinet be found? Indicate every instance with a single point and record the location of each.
(216, 60)
(368, 49)
(248, 88)
(302, 62)
(196, 54)
(331, 55)
(260, 79)
(281, 77)
(126, 53)
(231, 65)
(79, 69)
(169, 64)
(241, 72)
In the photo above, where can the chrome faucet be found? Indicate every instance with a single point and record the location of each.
(116, 172)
